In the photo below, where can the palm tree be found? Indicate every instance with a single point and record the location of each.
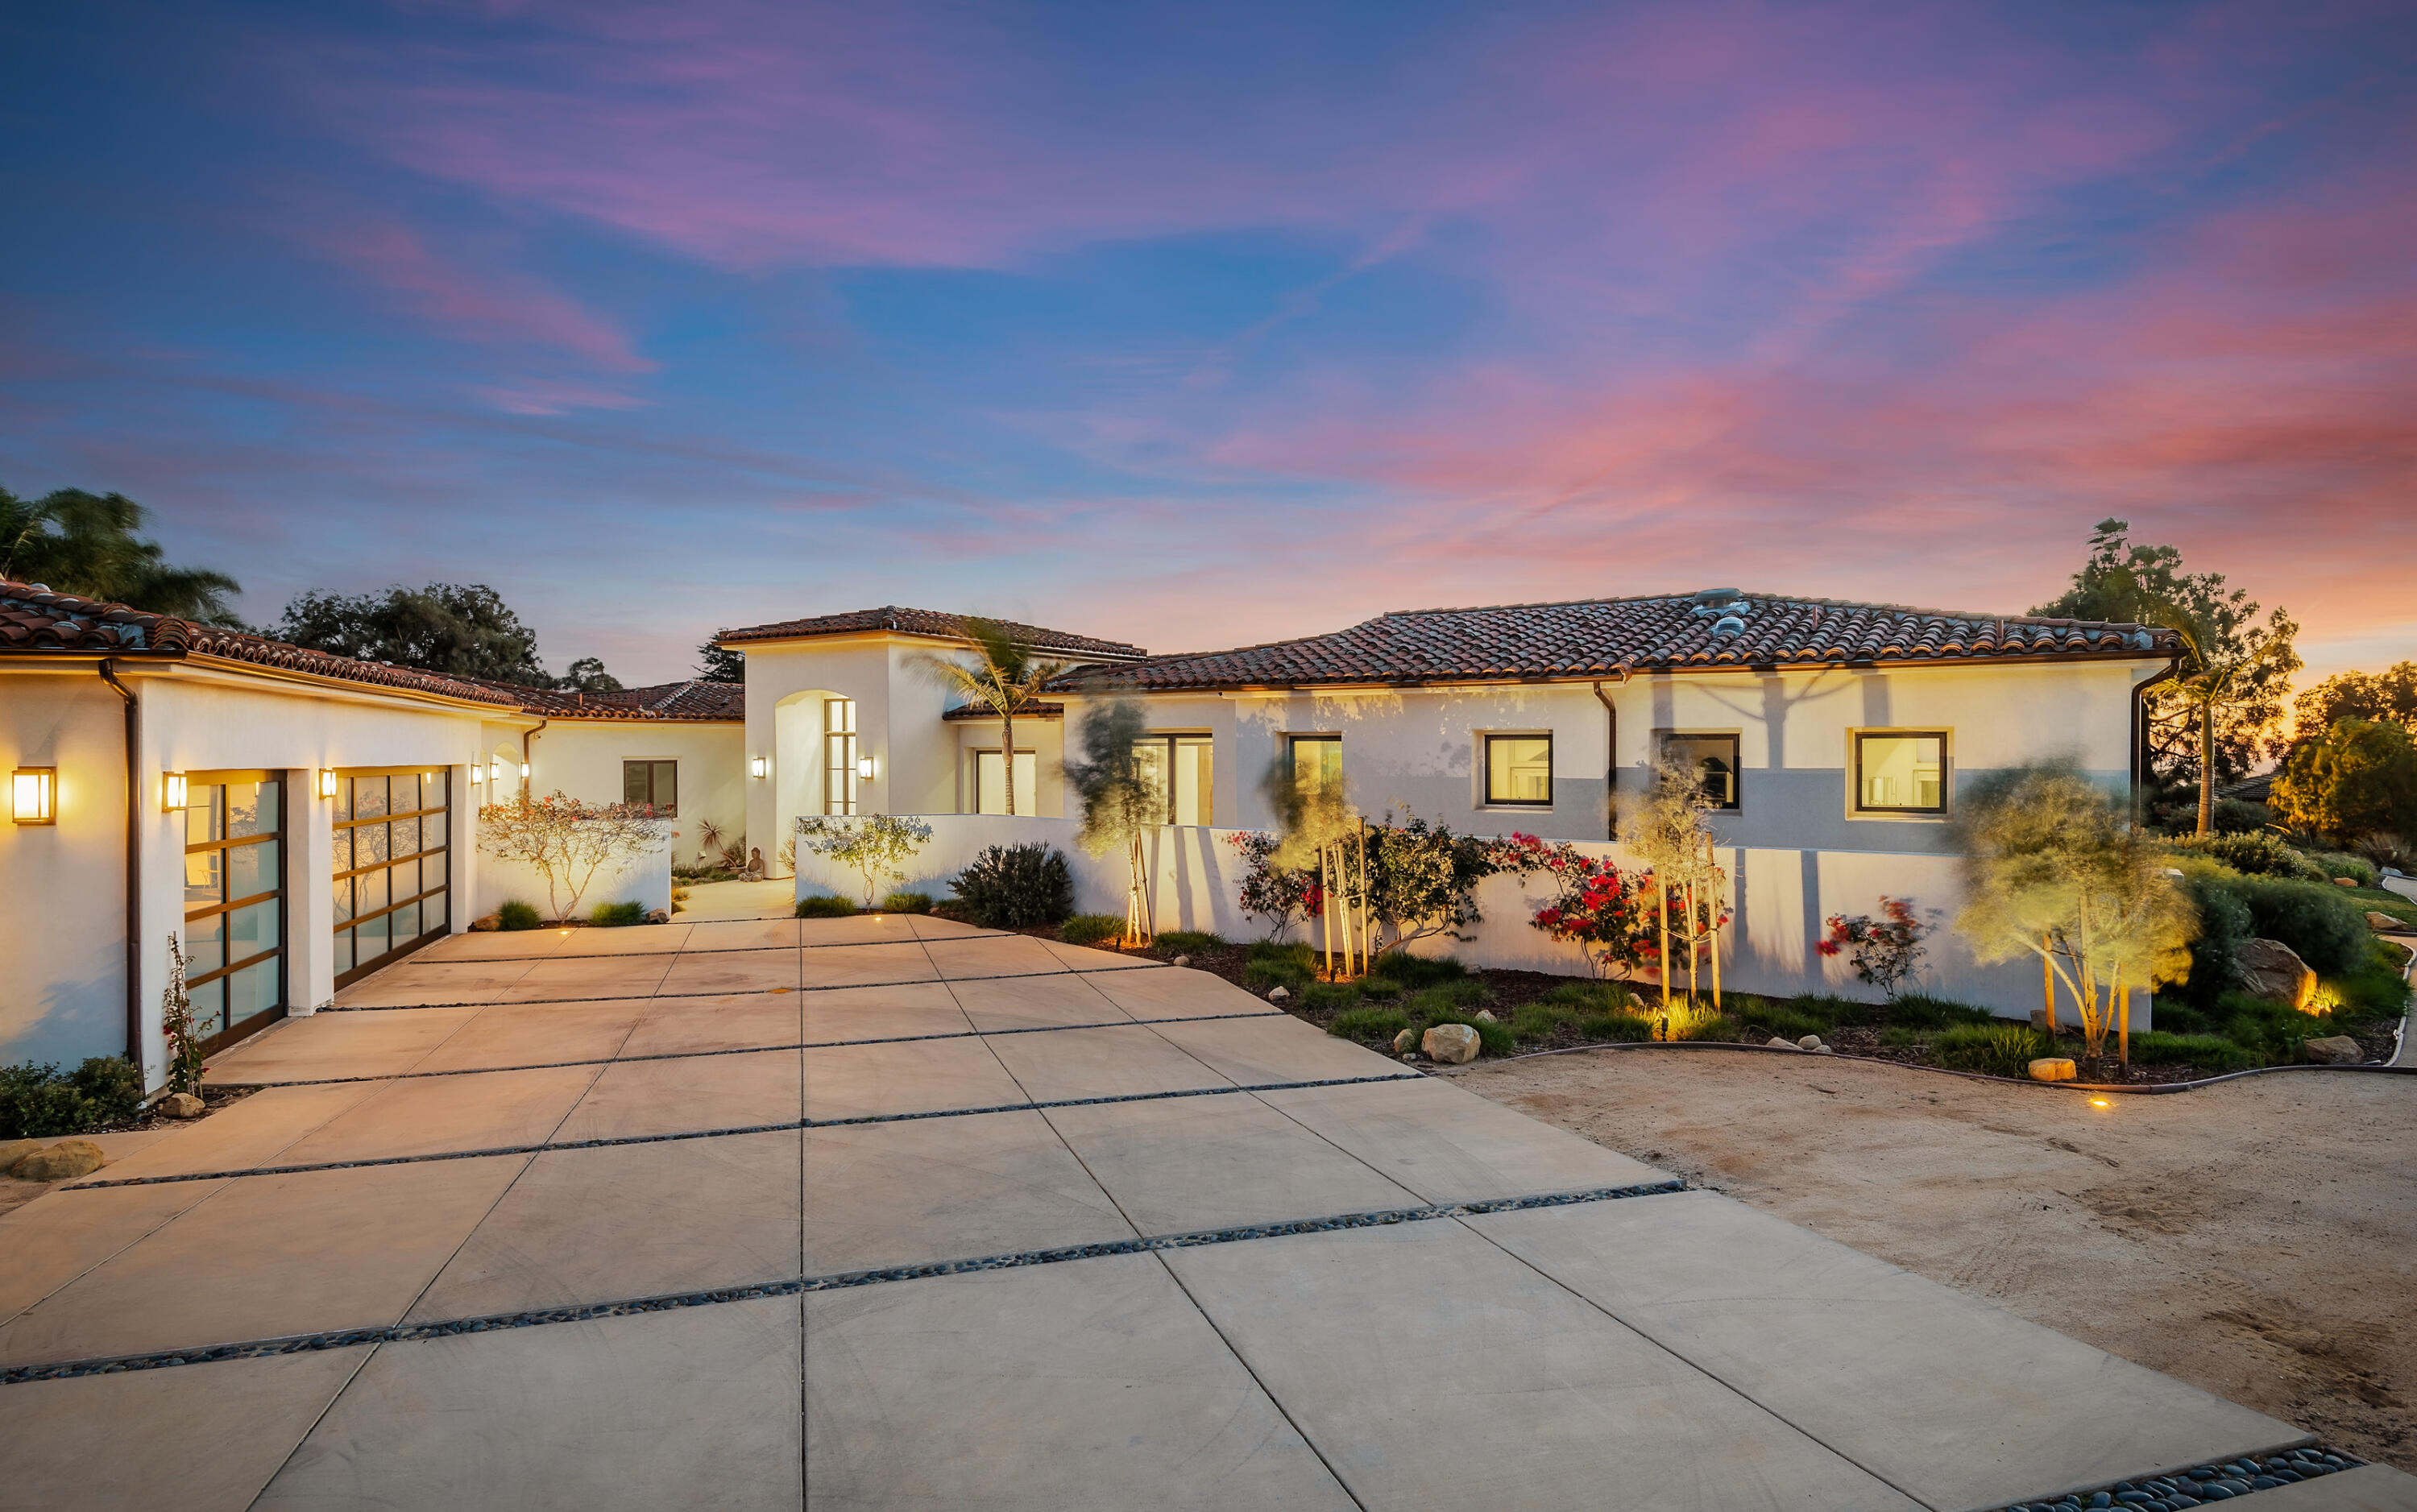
(1003, 677)
(86, 544)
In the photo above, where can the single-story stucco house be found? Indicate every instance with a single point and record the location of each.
(300, 819)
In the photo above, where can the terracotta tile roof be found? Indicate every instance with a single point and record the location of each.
(1588, 638)
(695, 701)
(984, 711)
(34, 619)
(930, 622)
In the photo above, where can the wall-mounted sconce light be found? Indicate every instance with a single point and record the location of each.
(523, 771)
(478, 773)
(327, 781)
(757, 765)
(171, 793)
(864, 768)
(494, 770)
(33, 794)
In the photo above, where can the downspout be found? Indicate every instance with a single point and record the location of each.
(1610, 759)
(525, 738)
(133, 870)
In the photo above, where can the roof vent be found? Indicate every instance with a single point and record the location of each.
(1730, 626)
(1715, 595)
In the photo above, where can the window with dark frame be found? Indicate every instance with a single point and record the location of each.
(1713, 760)
(990, 790)
(839, 755)
(655, 783)
(1519, 771)
(1184, 769)
(1900, 772)
(1317, 761)
(234, 915)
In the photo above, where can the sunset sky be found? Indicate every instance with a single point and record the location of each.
(1202, 324)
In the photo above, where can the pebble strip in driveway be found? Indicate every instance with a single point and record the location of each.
(885, 1212)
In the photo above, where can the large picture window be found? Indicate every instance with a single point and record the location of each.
(1713, 758)
(655, 783)
(235, 904)
(392, 850)
(1519, 771)
(839, 755)
(1184, 769)
(1901, 772)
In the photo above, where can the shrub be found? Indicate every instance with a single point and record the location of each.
(2209, 1052)
(1916, 1010)
(1187, 942)
(2375, 990)
(2007, 1049)
(42, 1102)
(616, 916)
(1289, 965)
(2258, 853)
(908, 904)
(1016, 887)
(2326, 929)
(2225, 924)
(2343, 864)
(1884, 951)
(517, 915)
(1090, 929)
(1619, 1026)
(1400, 972)
(1370, 1025)
(825, 908)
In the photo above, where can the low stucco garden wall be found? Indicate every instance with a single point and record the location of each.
(1781, 898)
(645, 879)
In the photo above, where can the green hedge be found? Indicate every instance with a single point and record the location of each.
(616, 916)
(40, 1102)
(825, 908)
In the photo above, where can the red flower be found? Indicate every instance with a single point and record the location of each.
(1828, 948)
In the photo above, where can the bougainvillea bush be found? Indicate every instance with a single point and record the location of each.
(1281, 894)
(1608, 913)
(1884, 951)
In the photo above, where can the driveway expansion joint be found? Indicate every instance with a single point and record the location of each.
(2203, 1484)
(841, 1280)
(784, 1125)
(841, 986)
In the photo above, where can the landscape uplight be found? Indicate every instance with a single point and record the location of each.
(171, 792)
(33, 794)
(2100, 1102)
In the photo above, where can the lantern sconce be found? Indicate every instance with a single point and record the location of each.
(171, 792)
(864, 768)
(33, 794)
(478, 773)
(757, 765)
(523, 771)
(495, 769)
(327, 781)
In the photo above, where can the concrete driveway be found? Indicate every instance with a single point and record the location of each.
(890, 1212)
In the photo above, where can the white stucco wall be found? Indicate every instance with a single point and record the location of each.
(581, 758)
(645, 880)
(62, 889)
(1780, 899)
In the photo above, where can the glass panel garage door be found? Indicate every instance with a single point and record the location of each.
(392, 834)
(235, 915)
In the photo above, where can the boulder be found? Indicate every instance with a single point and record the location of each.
(12, 1151)
(1404, 1042)
(1487, 1014)
(1277, 994)
(2345, 882)
(63, 1161)
(487, 925)
(1777, 1043)
(1450, 1043)
(1183, 961)
(2054, 1068)
(2339, 1049)
(2382, 923)
(659, 916)
(179, 1105)
(2272, 970)
(1809, 1042)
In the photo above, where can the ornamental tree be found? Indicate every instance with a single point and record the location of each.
(1121, 799)
(873, 846)
(2052, 870)
(1423, 879)
(1669, 828)
(566, 842)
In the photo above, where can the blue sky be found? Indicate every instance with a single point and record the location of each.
(1202, 326)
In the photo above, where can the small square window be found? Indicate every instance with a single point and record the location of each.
(1901, 772)
(656, 783)
(1519, 770)
(1713, 758)
(1318, 762)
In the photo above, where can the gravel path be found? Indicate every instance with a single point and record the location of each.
(2258, 1239)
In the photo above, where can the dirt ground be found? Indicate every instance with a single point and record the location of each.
(2256, 1238)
